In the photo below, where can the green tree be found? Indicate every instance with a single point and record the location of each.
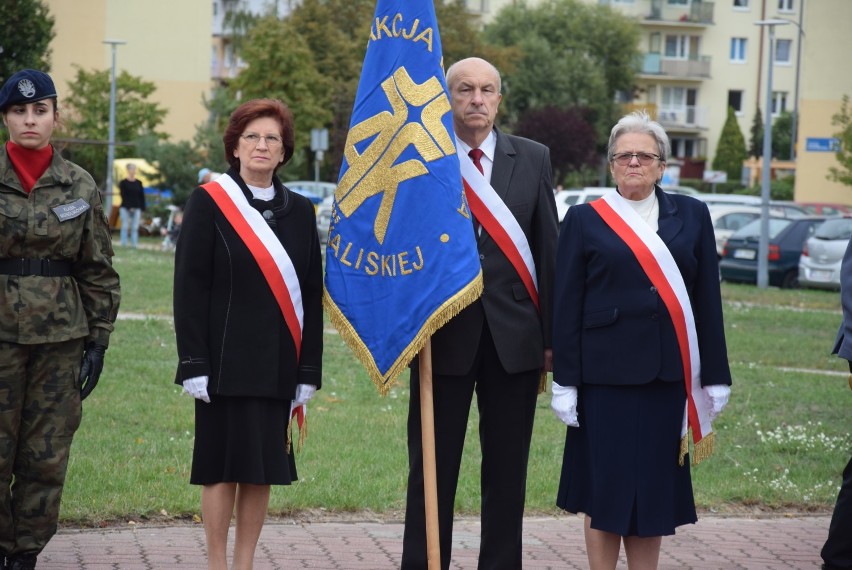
(208, 135)
(177, 165)
(731, 149)
(755, 147)
(569, 54)
(843, 121)
(87, 117)
(281, 66)
(782, 135)
(26, 30)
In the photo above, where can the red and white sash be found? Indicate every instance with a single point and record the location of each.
(493, 214)
(267, 251)
(657, 262)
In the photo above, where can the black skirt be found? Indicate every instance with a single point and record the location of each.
(620, 467)
(242, 440)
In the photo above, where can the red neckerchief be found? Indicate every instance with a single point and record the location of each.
(29, 164)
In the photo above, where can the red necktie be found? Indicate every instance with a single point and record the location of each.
(475, 154)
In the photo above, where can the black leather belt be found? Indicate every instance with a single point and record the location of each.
(42, 267)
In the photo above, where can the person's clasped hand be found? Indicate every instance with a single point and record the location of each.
(564, 403)
(91, 368)
(197, 388)
(718, 395)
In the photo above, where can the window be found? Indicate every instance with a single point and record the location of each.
(741, 4)
(682, 47)
(735, 100)
(785, 5)
(678, 2)
(782, 51)
(738, 50)
(779, 102)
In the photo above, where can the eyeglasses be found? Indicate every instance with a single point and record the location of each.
(272, 141)
(644, 158)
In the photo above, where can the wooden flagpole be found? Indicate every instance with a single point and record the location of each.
(430, 477)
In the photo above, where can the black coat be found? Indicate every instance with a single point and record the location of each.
(610, 324)
(227, 322)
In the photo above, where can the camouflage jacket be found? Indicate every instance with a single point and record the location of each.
(36, 309)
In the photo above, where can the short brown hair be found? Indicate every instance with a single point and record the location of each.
(255, 109)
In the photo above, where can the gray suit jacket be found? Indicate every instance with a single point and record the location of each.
(522, 177)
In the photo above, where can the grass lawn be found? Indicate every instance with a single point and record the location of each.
(781, 443)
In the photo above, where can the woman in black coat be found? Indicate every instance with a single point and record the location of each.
(248, 321)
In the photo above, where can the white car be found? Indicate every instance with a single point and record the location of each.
(819, 265)
(728, 219)
(567, 198)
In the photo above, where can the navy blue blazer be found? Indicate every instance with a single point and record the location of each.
(610, 325)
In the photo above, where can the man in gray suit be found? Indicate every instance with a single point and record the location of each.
(499, 346)
(837, 551)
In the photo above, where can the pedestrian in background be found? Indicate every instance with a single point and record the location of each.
(837, 550)
(132, 206)
(59, 297)
(637, 333)
(248, 321)
(498, 347)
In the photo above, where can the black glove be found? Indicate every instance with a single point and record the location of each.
(90, 370)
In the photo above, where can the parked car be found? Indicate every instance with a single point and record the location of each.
(825, 209)
(787, 209)
(728, 219)
(567, 198)
(728, 199)
(314, 190)
(819, 265)
(786, 238)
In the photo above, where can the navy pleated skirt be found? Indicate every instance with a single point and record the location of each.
(620, 467)
(242, 440)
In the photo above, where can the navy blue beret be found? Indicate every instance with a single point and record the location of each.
(26, 86)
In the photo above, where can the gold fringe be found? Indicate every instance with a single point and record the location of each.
(542, 382)
(439, 318)
(303, 434)
(700, 451)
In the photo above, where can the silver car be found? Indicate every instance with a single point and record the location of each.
(822, 254)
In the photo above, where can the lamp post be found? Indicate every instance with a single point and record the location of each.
(111, 143)
(763, 245)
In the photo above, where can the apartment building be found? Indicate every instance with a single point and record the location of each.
(167, 43)
(700, 57)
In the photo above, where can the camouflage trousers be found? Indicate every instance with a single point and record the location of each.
(39, 412)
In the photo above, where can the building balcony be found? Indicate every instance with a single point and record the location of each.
(691, 118)
(695, 14)
(660, 67)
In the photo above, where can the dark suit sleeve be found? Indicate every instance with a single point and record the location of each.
(193, 285)
(569, 297)
(843, 344)
(707, 307)
(545, 235)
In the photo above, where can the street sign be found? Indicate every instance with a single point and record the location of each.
(319, 139)
(715, 176)
(827, 144)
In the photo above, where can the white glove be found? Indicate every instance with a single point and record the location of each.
(718, 395)
(197, 388)
(304, 392)
(564, 404)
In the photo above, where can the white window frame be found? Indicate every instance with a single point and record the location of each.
(741, 4)
(738, 50)
(738, 112)
(789, 44)
(786, 5)
(779, 102)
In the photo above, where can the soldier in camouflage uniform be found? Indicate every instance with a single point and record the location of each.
(59, 297)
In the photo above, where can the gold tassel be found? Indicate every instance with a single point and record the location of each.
(439, 318)
(542, 382)
(700, 451)
(303, 434)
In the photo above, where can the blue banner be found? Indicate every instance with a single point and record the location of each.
(401, 258)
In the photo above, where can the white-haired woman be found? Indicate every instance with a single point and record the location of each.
(638, 340)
